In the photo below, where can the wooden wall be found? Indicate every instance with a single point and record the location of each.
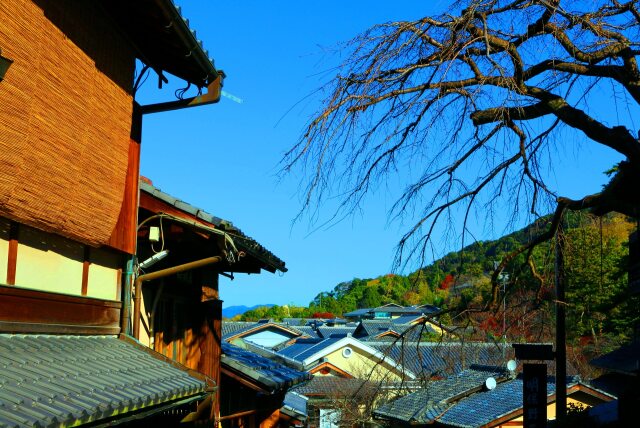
(31, 311)
(65, 120)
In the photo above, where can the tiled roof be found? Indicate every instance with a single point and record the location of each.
(231, 328)
(304, 348)
(268, 373)
(373, 327)
(308, 330)
(625, 359)
(326, 331)
(427, 359)
(427, 309)
(296, 403)
(481, 408)
(612, 383)
(163, 38)
(243, 242)
(461, 401)
(370, 329)
(358, 313)
(406, 319)
(64, 380)
(392, 308)
(333, 386)
(425, 405)
(294, 321)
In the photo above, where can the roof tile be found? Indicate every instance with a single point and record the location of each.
(62, 380)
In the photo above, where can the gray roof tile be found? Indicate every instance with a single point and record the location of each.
(267, 372)
(62, 380)
(326, 331)
(249, 245)
(296, 402)
(428, 359)
(230, 328)
(461, 401)
(333, 386)
(305, 348)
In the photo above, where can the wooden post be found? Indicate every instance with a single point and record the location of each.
(211, 348)
(12, 261)
(561, 334)
(86, 263)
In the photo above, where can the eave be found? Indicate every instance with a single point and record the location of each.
(163, 39)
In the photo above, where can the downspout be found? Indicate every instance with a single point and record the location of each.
(126, 298)
(137, 300)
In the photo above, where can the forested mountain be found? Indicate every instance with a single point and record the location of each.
(596, 255)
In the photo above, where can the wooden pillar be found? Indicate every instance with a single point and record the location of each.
(561, 334)
(211, 331)
(86, 263)
(270, 419)
(13, 253)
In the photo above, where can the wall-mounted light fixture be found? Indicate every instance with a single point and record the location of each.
(5, 63)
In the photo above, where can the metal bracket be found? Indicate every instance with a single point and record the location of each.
(214, 90)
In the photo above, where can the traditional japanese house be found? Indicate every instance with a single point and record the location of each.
(265, 333)
(253, 389)
(177, 308)
(465, 400)
(70, 135)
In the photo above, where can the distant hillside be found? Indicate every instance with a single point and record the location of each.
(467, 272)
(232, 311)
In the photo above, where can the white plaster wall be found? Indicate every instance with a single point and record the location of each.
(103, 282)
(47, 270)
(104, 274)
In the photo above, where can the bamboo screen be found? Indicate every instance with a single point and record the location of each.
(64, 121)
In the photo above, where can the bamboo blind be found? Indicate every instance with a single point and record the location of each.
(64, 121)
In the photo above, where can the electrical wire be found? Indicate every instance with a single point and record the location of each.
(179, 93)
(161, 238)
(141, 78)
(232, 256)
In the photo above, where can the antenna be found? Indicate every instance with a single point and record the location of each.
(511, 366)
(490, 383)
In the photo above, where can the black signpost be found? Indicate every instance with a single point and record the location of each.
(534, 395)
(534, 382)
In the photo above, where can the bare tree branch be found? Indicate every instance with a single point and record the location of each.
(413, 100)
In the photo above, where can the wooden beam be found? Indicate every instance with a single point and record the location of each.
(212, 96)
(230, 373)
(23, 311)
(237, 415)
(156, 206)
(12, 262)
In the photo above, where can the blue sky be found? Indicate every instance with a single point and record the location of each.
(224, 158)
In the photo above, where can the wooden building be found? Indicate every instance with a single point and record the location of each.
(70, 135)
(180, 310)
(70, 141)
(480, 396)
(253, 389)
